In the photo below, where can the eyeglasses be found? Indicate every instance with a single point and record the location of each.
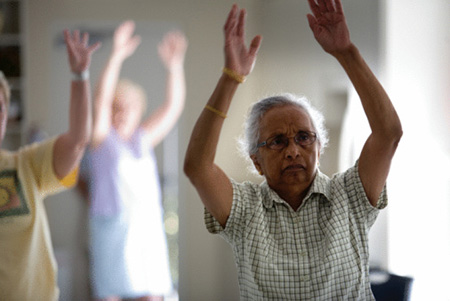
(281, 141)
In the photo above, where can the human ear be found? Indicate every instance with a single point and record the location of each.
(256, 164)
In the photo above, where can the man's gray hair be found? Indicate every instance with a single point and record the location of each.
(249, 141)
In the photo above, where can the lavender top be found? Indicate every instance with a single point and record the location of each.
(122, 174)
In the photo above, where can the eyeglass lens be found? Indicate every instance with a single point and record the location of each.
(281, 141)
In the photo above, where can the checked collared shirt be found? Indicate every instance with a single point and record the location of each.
(319, 252)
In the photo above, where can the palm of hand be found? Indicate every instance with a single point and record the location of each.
(81, 58)
(238, 57)
(172, 49)
(124, 42)
(78, 50)
(332, 32)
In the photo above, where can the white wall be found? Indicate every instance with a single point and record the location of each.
(289, 60)
(417, 57)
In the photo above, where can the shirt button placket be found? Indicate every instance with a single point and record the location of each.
(300, 233)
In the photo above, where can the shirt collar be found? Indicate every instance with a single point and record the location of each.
(320, 185)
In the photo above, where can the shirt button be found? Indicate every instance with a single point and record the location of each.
(303, 253)
(304, 278)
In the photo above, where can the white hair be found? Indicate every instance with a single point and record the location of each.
(249, 141)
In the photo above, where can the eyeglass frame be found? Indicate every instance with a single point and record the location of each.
(310, 133)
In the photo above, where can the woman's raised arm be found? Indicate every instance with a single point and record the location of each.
(331, 32)
(212, 184)
(172, 50)
(124, 45)
(69, 147)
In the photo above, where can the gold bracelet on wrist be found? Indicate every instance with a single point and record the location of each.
(214, 110)
(234, 75)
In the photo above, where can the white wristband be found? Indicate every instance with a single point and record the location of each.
(83, 75)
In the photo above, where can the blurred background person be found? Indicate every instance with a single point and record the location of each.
(128, 248)
(28, 268)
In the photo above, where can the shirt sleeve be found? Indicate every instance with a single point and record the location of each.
(234, 222)
(37, 167)
(358, 200)
(71, 179)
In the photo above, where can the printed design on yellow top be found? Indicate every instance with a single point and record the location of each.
(12, 200)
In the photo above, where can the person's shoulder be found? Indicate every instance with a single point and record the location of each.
(246, 186)
(96, 148)
(339, 184)
(348, 184)
(250, 192)
(349, 173)
(5, 153)
(37, 146)
(8, 159)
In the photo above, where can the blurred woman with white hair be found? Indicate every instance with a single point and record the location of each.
(128, 248)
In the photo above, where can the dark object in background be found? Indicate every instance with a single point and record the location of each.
(389, 287)
(10, 61)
